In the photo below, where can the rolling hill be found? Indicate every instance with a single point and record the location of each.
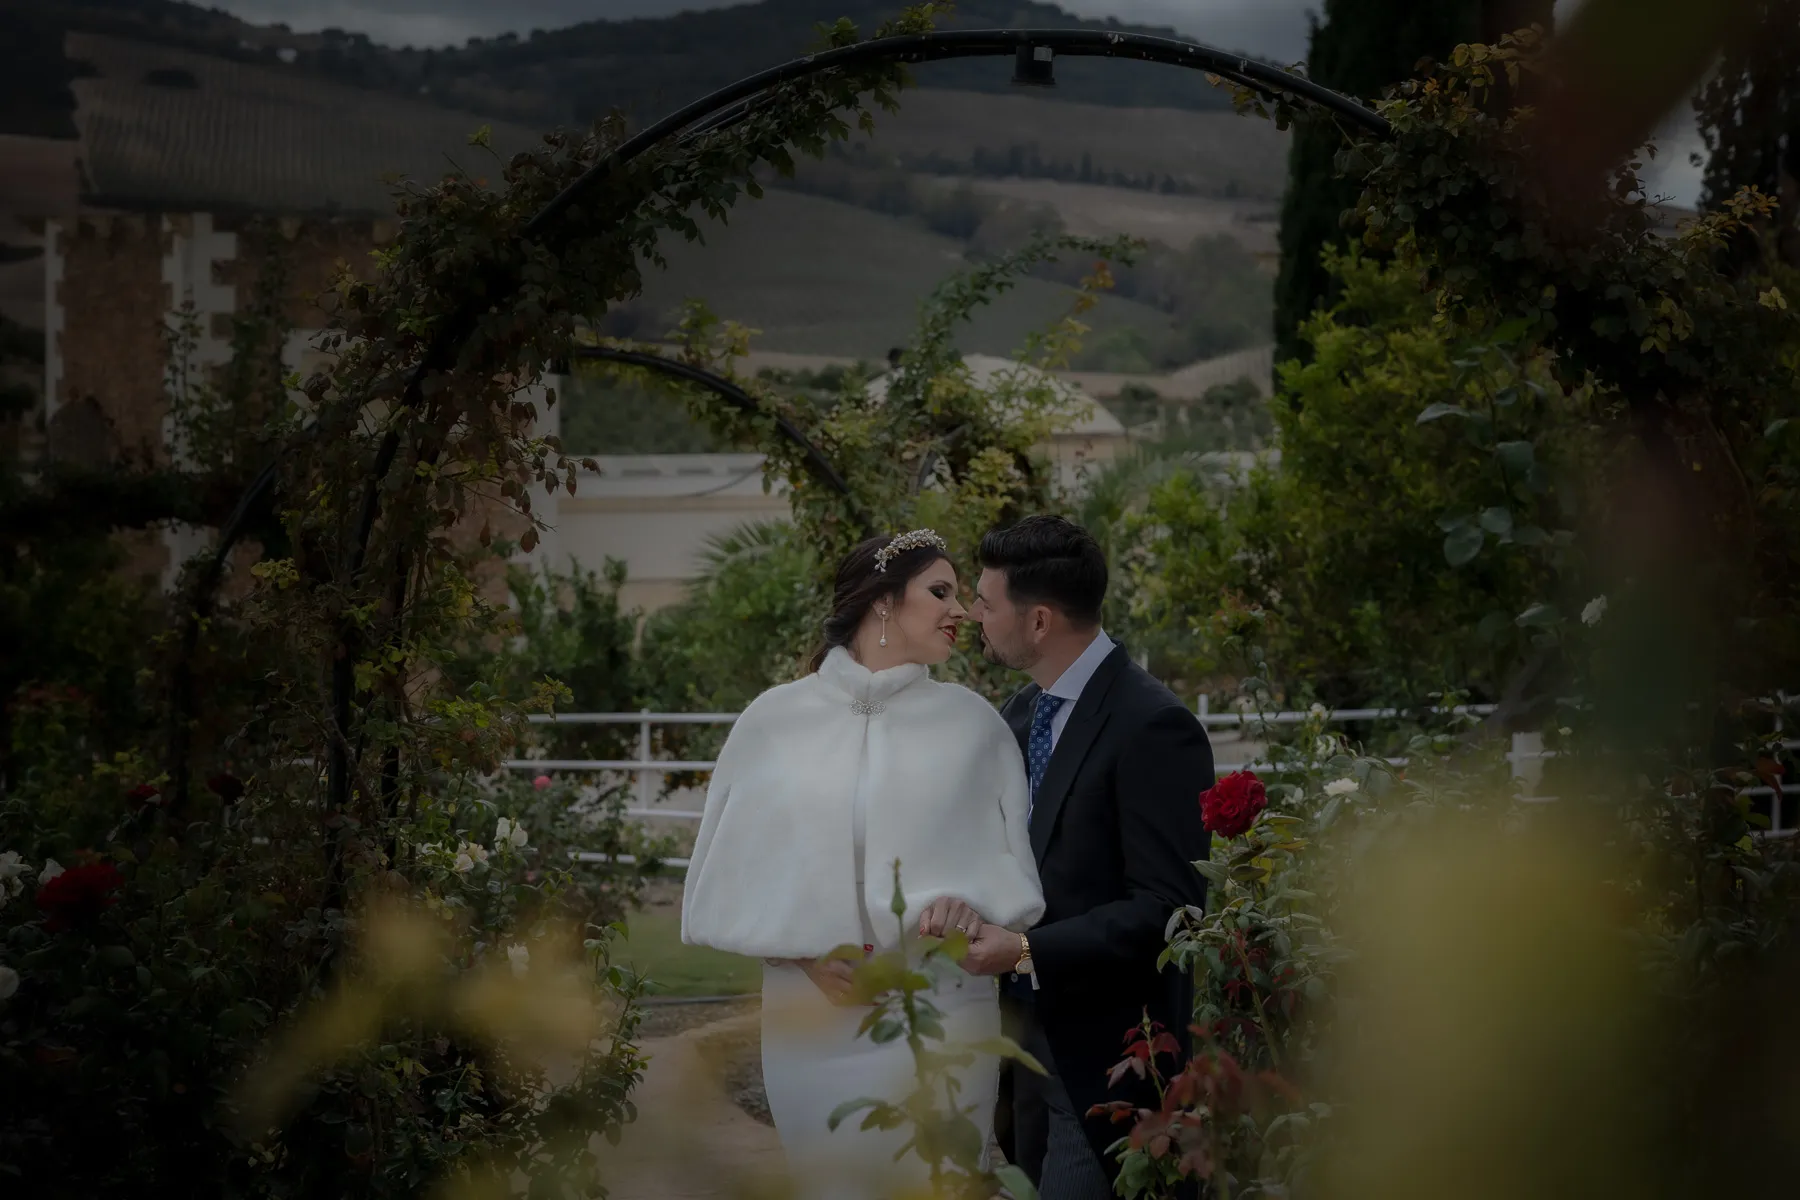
(648, 67)
(941, 131)
(964, 117)
(820, 277)
(573, 75)
(815, 274)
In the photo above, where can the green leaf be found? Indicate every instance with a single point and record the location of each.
(1538, 616)
(1529, 535)
(119, 958)
(1463, 545)
(1517, 457)
(848, 1109)
(1497, 521)
(1513, 330)
(1215, 872)
(1016, 1183)
(1493, 625)
(1435, 411)
(1005, 1047)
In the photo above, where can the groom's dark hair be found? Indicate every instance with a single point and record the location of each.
(1052, 561)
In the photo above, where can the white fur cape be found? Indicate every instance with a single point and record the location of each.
(773, 872)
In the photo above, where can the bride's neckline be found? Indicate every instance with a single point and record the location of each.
(841, 671)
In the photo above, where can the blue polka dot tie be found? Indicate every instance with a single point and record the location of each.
(1038, 746)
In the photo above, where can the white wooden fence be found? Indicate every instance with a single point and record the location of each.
(1526, 755)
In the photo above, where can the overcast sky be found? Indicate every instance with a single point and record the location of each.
(1274, 29)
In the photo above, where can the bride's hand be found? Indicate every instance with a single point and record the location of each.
(834, 977)
(947, 913)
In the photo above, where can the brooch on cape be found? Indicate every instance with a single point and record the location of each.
(865, 708)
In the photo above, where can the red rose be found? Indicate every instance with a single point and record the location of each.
(78, 895)
(1230, 806)
(228, 788)
(144, 796)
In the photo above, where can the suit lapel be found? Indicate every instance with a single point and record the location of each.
(1017, 713)
(1085, 724)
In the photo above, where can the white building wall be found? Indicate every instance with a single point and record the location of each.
(656, 513)
(195, 248)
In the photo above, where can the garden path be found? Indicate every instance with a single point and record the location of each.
(690, 1141)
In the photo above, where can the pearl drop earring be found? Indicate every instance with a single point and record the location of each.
(884, 629)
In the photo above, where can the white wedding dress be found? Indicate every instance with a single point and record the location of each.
(822, 785)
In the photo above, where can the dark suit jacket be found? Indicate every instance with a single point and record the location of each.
(1115, 828)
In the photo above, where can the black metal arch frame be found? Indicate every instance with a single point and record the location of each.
(729, 391)
(710, 114)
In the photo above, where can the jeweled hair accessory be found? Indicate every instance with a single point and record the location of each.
(915, 540)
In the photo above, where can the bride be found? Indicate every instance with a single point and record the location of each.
(822, 785)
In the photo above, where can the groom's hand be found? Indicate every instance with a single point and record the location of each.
(995, 952)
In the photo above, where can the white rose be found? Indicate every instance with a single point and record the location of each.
(9, 982)
(1596, 608)
(1340, 787)
(519, 957)
(1318, 710)
(11, 867)
(518, 837)
(469, 856)
(502, 832)
(51, 870)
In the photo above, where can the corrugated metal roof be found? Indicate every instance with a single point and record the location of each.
(257, 139)
(1256, 364)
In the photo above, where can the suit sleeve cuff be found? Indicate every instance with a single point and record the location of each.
(1050, 951)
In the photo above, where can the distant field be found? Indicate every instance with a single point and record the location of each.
(1173, 220)
(820, 277)
(1220, 153)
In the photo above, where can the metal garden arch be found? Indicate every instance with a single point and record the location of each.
(1034, 52)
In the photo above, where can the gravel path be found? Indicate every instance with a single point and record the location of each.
(691, 1141)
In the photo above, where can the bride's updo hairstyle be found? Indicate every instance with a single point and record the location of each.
(861, 582)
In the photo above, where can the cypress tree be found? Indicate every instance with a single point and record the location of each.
(1360, 48)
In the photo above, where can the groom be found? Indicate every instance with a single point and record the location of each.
(1116, 764)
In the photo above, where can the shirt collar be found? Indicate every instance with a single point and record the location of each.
(1069, 684)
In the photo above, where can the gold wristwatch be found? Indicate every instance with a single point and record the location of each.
(1023, 966)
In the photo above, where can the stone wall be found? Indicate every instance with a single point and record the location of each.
(105, 354)
(116, 280)
(108, 340)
